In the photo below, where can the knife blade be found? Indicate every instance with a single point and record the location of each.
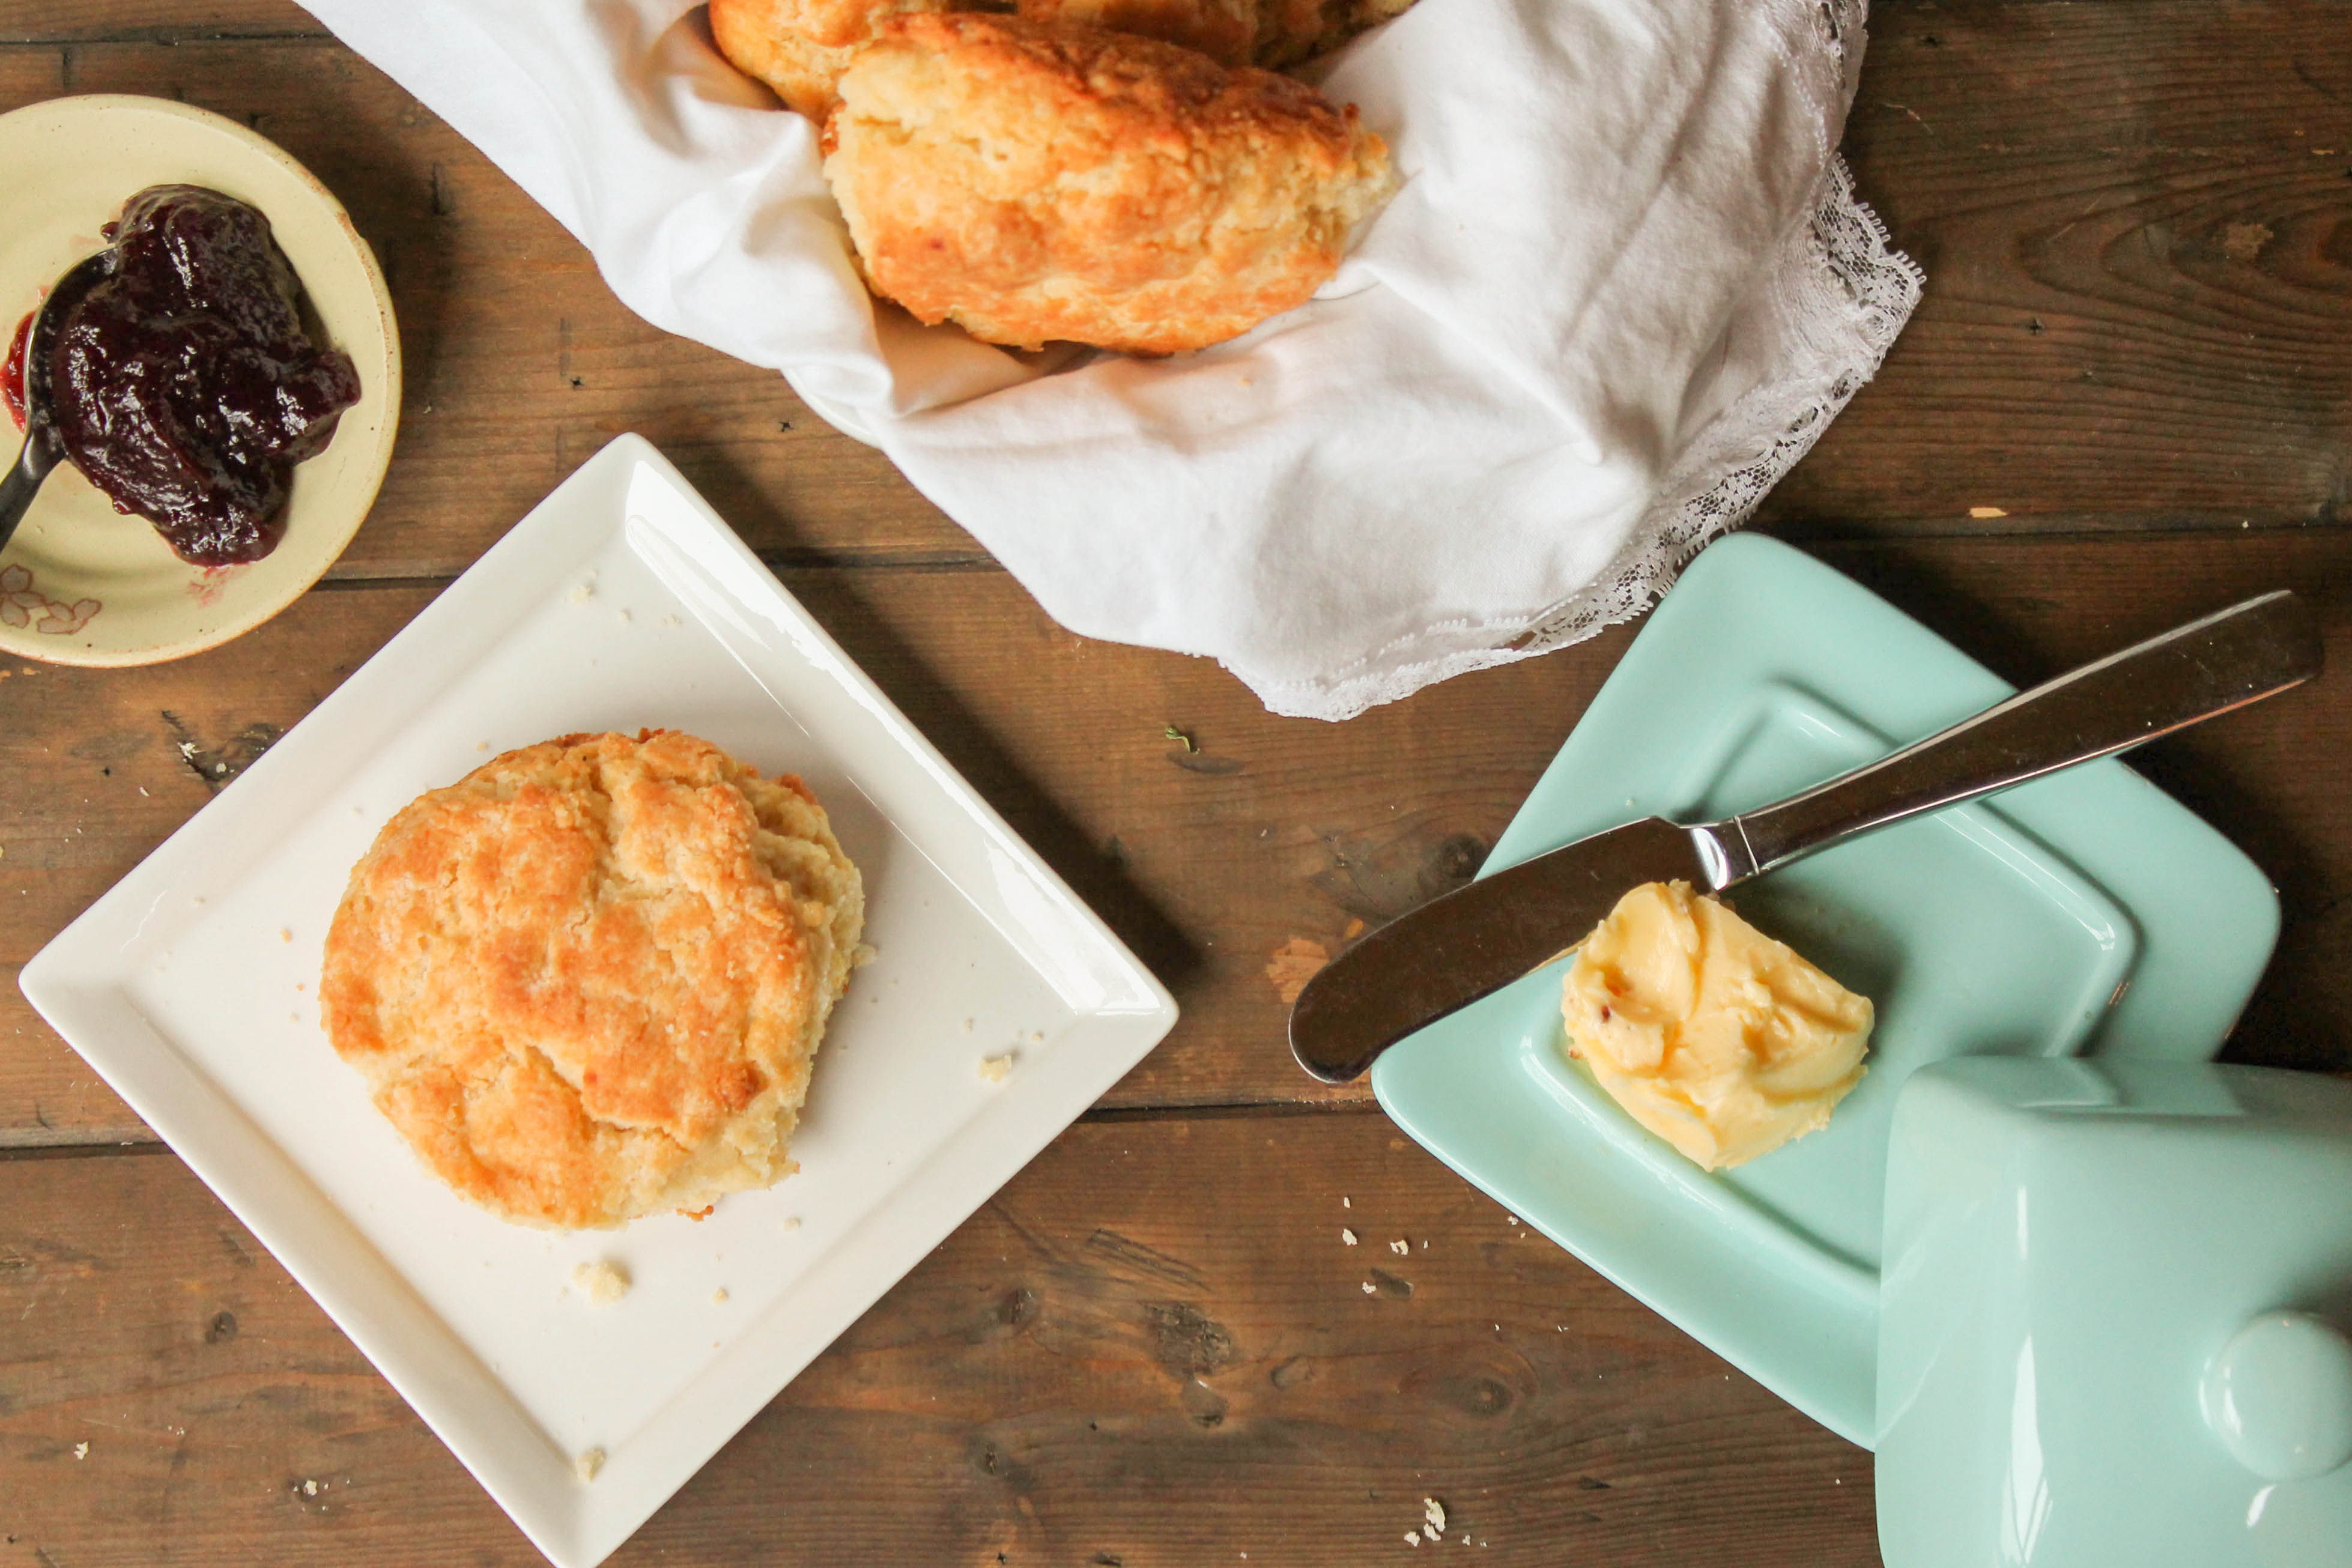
(1476, 939)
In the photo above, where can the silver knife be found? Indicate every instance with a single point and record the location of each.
(1479, 938)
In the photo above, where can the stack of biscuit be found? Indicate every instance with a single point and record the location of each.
(1104, 171)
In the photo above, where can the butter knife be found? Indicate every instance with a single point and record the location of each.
(1479, 938)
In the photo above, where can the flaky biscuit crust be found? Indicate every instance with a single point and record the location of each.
(587, 981)
(1034, 182)
(800, 48)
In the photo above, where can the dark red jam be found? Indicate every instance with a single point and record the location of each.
(11, 372)
(182, 382)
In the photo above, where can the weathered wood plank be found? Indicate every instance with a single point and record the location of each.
(114, 21)
(1277, 829)
(1152, 1348)
(2136, 225)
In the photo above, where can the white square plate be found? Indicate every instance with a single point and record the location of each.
(620, 602)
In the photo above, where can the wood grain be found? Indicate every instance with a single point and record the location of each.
(1152, 1348)
(2136, 227)
(157, 21)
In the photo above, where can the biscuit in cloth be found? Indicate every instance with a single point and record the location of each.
(1033, 183)
(800, 48)
(586, 982)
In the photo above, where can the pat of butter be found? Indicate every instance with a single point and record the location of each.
(1709, 1034)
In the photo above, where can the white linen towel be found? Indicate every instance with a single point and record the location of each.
(1623, 288)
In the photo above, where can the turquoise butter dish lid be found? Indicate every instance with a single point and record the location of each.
(2115, 1318)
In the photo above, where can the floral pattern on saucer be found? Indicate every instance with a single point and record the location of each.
(20, 602)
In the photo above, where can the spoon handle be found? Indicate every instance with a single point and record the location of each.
(17, 487)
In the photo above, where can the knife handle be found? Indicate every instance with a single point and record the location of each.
(2229, 659)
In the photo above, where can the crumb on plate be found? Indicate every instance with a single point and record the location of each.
(601, 1283)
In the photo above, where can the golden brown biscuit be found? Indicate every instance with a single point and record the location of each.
(800, 48)
(586, 981)
(1033, 183)
(1225, 30)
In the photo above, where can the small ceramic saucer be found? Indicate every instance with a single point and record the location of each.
(80, 583)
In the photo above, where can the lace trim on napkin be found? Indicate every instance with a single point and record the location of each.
(1840, 293)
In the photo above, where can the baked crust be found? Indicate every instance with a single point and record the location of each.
(586, 982)
(1035, 182)
(800, 48)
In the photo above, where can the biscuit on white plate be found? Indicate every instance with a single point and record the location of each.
(1035, 182)
(587, 981)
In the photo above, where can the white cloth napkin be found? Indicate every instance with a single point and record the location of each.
(1624, 286)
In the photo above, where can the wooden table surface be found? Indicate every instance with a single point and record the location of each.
(2126, 398)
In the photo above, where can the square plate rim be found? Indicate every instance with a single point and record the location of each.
(266, 1189)
(1722, 1329)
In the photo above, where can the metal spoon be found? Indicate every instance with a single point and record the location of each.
(43, 448)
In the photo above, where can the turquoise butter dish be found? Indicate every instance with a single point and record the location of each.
(2084, 915)
(2114, 1315)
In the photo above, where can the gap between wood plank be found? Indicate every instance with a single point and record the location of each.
(386, 574)
(171, 37)
(15, 1146)
(1842, 532)
(150, 1145)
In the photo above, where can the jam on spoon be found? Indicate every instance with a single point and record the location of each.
(182, 381)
